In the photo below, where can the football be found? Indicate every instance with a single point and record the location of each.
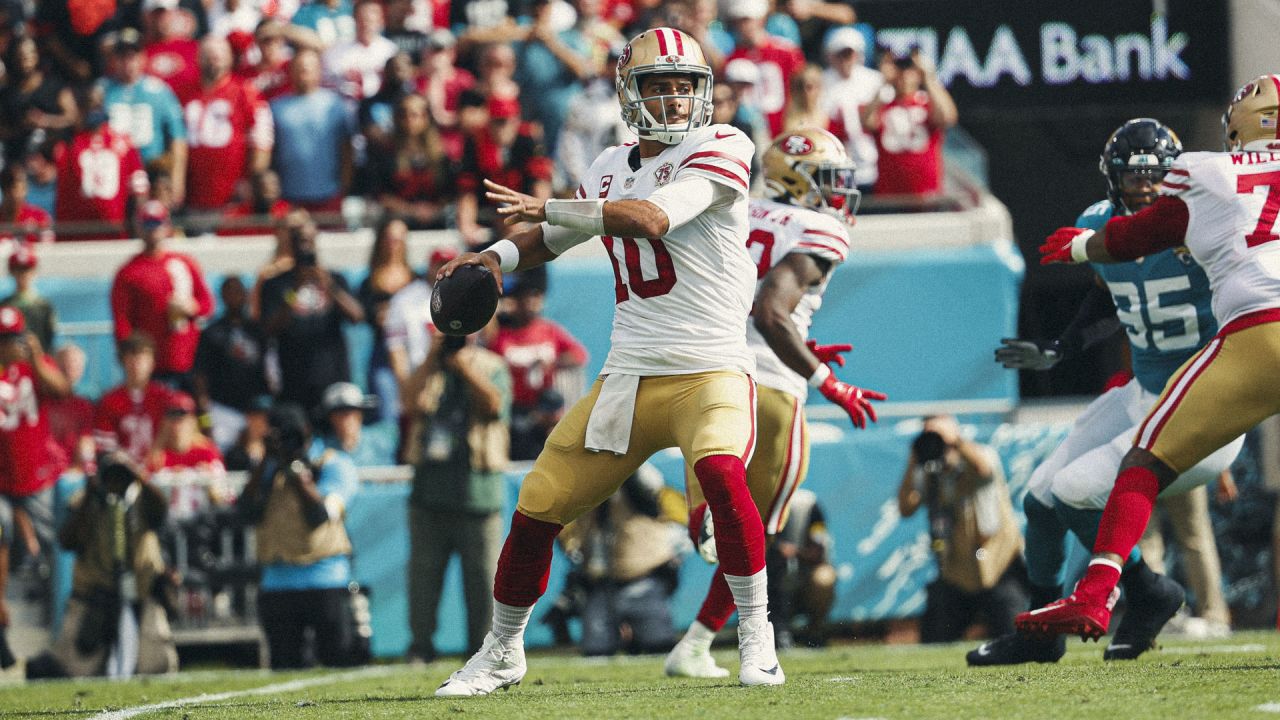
(465, 301)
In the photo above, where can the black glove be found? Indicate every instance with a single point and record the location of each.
(1018, 354)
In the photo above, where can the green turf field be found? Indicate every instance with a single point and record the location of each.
(1236, 678)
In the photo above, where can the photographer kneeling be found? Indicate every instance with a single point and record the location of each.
(116, 622)
(971, 528)
(297, 499)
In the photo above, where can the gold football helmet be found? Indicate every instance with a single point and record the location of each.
(810, 168)
(1251, 121)
(663, 51)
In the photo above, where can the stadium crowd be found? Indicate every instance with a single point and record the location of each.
(160, 119)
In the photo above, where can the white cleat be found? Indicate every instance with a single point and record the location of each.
(494, 666)
(759, 658)
(688, 659)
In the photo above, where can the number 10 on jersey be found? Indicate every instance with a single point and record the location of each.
(633, 254)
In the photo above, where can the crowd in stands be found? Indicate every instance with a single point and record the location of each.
(158, 119)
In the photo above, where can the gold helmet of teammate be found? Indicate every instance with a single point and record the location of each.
(810, 168)
(663, 51)
(1251, 121)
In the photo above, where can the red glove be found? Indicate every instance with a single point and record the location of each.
(854, 400)
(828, 354)
(1057, 248)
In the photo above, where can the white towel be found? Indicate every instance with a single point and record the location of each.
(609, 427)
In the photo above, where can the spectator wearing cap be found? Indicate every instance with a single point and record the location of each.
(100, 174)
(407, 328)
(230, 370)
(128, 416)
(443, 83)
(551, 65)
(32, 99)
(344, 409)
(250, 447)
(742, 78)
(778, 59)
(414, 179)
(41, 318)
(170, 47)
(389, 273)
(303, 311)
(27, 469)
(908, 118)
(229, 129)
(593, 123)
(313, 130)
(330, 20)
(71, 417)
(355, 66)
(162, 294)
(507, 151)
(118, 500)
(19, 219)
(184, 463)
(545, 361)
(145, 110)
(850, 87)
(298, 500)
(460, 403)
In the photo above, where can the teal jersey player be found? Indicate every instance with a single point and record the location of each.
(1164, 303)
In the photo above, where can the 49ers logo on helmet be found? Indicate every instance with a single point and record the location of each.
(797, 145)
(625, 58)
(671, 59)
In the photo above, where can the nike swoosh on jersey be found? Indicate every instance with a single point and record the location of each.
(721, 137)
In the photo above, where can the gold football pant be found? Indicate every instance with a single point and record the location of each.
(781, 460)
(703, 414)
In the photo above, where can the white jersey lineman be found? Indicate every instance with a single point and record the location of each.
(683, 299)
(778, 229)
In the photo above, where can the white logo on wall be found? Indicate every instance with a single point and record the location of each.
(1065, 57)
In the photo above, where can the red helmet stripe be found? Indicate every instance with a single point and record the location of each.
(662, 42)
(680, 43)
(1275, 80)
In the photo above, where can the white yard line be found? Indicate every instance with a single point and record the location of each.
(284, 687)
(1269, 707)
(1199, 649)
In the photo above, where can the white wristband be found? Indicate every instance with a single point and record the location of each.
(508, 255)
(585, 216)
(819, 376)
(1079, 249)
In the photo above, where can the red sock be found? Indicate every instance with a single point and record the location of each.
(739, 532)
(1123, 521)
(695, 521)
(718, 605)
(525, 562)
(1099, 580)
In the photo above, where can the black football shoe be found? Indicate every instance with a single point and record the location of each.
(1149, 607)
(1016, 648)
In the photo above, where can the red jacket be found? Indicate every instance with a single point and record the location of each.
(140, 301)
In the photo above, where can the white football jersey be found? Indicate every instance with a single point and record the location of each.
(777, 230)
(1232, 200)
(683, 299)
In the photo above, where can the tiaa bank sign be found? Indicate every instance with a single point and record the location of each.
(1043, 53)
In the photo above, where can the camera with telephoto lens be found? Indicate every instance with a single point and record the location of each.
(929, 449)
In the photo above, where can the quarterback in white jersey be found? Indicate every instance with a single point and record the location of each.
(671, 210)
(797, 239)
(1223, 206)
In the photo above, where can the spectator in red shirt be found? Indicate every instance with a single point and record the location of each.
(508, 152)
(27, 468)
(19, 218)
(229, 130)
(128, 416)
(260, 214)
(162, 294)
(99, 173)
(909, 128)
(545, 362)
(777, 59)
(170, 49)
(71, 417)
(442, 83)
(185, 464)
